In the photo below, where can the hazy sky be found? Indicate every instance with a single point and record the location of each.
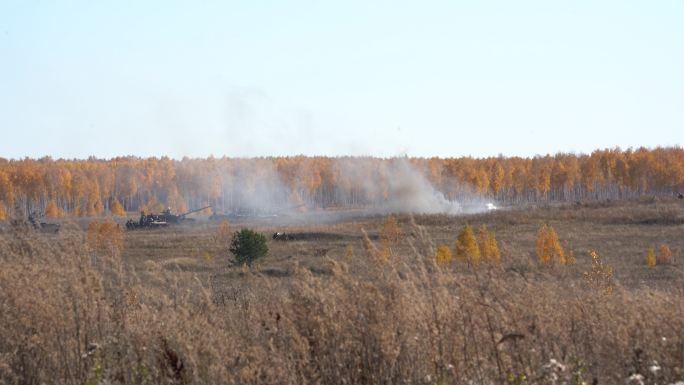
(422, 78)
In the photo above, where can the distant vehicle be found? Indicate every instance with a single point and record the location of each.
(168, 217)
(34, 223)
(163, 219)
(279, 236)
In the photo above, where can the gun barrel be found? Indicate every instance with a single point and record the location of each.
(196, 210)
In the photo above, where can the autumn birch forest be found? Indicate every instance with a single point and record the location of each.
(96, 187)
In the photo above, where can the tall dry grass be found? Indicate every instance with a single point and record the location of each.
(71, 314)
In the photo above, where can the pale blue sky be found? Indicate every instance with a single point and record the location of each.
(422, 78)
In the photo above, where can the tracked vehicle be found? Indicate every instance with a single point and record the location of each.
(163, 219)
(34, 223)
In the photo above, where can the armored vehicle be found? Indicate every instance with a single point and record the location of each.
(42, 226)
(163, 219)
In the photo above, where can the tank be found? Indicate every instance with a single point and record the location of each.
(169, 217)
(43, 227)
(163, 219)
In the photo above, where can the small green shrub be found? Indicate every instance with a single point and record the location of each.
(248, 246)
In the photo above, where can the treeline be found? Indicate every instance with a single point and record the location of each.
(94, 187)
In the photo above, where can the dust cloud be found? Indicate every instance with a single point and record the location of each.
(367, 185)
(402, 188)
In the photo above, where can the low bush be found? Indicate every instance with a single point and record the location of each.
(247, 246)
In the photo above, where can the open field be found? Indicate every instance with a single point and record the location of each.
(170, 307)
(620, 232)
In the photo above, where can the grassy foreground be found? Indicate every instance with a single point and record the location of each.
(75, 313)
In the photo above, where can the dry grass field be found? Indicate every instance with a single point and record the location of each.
(334, 306)
(621, 232)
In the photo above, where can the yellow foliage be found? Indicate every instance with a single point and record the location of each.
(51, 210)
(105, 236)
(489, 248)
(600, 277)
(3, 212)
(569, 257)
(467, 249)
(443, 255)
(87, 182)
(349, 251)
(117, 209)
(542, 252)
(153, 206)
(664, 255)
(651, 258)
(548, 247)
(94, 207)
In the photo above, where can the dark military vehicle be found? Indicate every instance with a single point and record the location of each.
(169, 217)
(163, 219)
(280, 236)
(33, 222)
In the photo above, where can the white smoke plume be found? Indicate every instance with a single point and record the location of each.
(408, 191)
(403, 188)
(363, 184)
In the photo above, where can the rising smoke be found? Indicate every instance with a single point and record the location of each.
(402, 188)
(375, 187)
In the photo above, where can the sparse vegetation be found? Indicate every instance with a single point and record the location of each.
(117, 209)
(349, 251)
(105, 236)
(389, 233)
(443, 255)
(600, 277)
(51, 210)
(664, 255)
(155, 311)
(222, 237)
(467, 249)
(390, 230)
(651, 259)
(489, 248)
(568, 255)
(247, 246)
(548, 246)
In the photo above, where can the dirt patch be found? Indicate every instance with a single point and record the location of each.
(314, 236)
